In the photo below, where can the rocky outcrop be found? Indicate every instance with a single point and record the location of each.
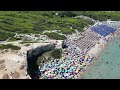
(32, 56)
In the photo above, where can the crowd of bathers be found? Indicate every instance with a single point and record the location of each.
(73, 61)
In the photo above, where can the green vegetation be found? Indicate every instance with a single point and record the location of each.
(37, 21)
(9, 46)
(102, 15)
(56, 53)
(23, 42)
(5, 35)
(27, 44)
(14, 39)
(27, 22)
(67, 14)
(55, 36)
(12, 22)
(45, 57)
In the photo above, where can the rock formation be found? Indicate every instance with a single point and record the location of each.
(32, 56)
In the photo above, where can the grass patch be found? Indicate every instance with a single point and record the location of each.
(102, 15)
(9, 46)
(44, 58)
(14, 39)
(56, 53)
(56, 36)
(28, 42)
(70, 31)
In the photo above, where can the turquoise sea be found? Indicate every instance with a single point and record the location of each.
(108, 64)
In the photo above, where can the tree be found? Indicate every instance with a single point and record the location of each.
(67, 14)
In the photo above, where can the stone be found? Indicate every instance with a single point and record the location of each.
(22, 67)
(5, 76)
(15, 75)
(2, 66)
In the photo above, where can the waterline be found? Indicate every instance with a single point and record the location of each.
(108, 64)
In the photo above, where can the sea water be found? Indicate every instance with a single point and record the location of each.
(107, 66)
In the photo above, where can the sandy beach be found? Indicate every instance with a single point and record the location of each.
(97, 51)
(16, 61)
(12, 63)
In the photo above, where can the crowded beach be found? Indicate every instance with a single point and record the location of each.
(79, 53)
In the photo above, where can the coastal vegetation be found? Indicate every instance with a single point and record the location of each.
(27, 44)
(11, 39)
(24, 42)
(56, 36)
(9, 46)
(101, 15)
(36, 22)
(56, 53)
(26, 22)
(45, 57)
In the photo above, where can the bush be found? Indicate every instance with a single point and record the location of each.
(55, 36)
(38, 21)
(14, 39)
(67, 14)
(9, 46)
(24, 42)
(27, 44)
(45, 57)
(102, 15)
(57, 53)
(66, 31)
(5, 35)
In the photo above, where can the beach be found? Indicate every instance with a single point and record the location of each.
(99, 65)
(98, 49)
(79, 57)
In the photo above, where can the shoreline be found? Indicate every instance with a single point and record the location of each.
(83, 69)
(97, 55)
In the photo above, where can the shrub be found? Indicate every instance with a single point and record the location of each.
(9, 46)
(66, 31)
(67, 14)
(44, 58)
(24, 42)
(27, 44)
(56, 53)
(14, 39)
(55, 36)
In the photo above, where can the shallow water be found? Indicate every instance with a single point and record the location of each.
(108, 64)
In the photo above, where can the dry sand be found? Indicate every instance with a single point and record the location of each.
(13, 64)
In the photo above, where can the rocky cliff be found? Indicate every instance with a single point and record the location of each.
(32, 56)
